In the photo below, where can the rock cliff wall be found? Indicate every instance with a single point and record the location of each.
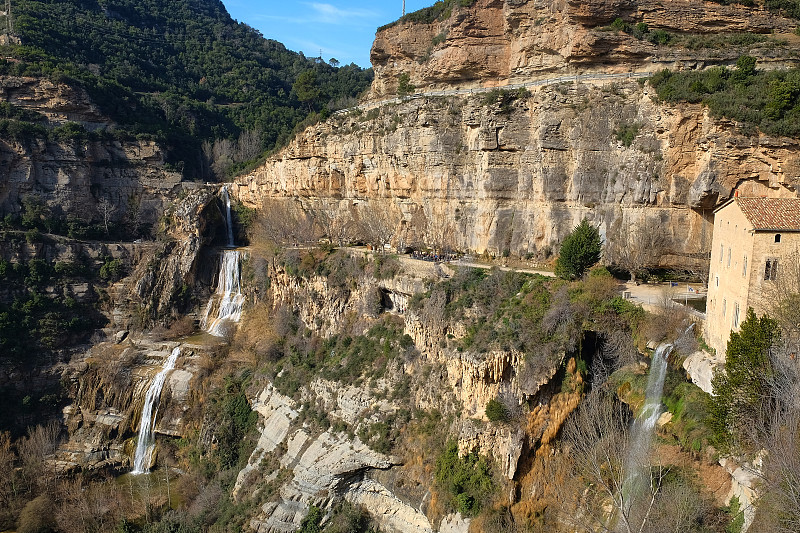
(74, 175)
(497, 42)
(518, 174)
(510, 171)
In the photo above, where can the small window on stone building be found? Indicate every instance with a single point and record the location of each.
(724, 306)
(777, 237)
(721, 252)
(729, 256)
(717, 281)
(771, 269)
(736, 314)
(744, 267)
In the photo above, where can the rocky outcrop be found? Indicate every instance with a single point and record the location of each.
(320, 467)
(700, 367)
(79, 177)
(519, 176)
(160, 287)
(509, 172)
(108, 385)
(501, 42)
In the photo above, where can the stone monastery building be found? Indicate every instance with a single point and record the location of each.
(753, 237)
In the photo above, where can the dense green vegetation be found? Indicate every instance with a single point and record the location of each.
(641, 31)
(467, 480)
(35, 320)
(581, 248)
(740, 398)
(179, 72)
(765, 100)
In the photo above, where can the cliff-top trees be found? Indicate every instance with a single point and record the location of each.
(579, 251)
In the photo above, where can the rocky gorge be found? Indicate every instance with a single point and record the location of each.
(360, 383)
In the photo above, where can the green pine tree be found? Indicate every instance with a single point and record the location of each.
(741, 390)
(579, 251)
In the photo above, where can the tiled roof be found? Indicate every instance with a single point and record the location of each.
(771, 213)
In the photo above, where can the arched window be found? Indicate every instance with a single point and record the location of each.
(777, 237)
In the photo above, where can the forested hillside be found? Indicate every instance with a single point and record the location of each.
(180, 72)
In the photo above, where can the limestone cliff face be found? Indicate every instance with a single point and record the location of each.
(73, 176)
(518, 175)
(497, 42)
(511, 172)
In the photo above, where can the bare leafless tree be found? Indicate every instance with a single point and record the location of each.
(106, 210)
(378, 224)
(9, 487)
(248, 146)
(338, 226)
(36, 452)
(779, 434)
(597, 439)
(781, 300)
(282, 222)
(639, 247)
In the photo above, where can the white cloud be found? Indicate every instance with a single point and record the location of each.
(330, 14)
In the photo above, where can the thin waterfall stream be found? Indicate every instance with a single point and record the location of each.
(228, 298)
(144, 446)
(642, 430)
(637, 464)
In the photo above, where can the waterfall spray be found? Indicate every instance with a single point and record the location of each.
(144, 447)
(229, 295)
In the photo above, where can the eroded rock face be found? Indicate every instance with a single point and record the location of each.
(497, 42)
(73, 176)
(521, 178)
(517, 173)
(320, 467)
(108, 384)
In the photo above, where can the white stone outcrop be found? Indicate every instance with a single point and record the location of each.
(391, 514)
(700, 367)
(323, 467)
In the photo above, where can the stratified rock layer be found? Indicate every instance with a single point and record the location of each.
(519, 176)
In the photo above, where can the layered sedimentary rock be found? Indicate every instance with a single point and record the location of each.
(496, 42)
(79, 177)
(513, 172)
(518, 176)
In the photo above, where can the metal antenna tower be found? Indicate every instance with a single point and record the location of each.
(404, 7)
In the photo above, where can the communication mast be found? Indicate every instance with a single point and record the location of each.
(404, 7)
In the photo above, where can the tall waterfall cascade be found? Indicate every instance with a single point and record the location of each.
(144, 447)
(225, 305)
(636, 463)
(637, 466)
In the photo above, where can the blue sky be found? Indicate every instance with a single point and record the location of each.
(341, 29)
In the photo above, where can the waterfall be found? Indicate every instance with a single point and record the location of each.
(144, 447)
(229, 296)
(228, 299)
(228, 219)
(642, 431)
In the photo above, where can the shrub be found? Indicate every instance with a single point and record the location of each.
(626, 133)
(112, 270)
(37, 516)
(466, 479)
(579, 251)
(404, 85)
(497, 412)
(311, 522)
